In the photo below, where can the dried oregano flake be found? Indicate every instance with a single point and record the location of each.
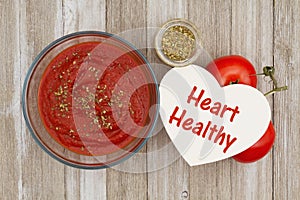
(178, 43)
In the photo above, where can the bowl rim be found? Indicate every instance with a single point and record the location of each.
(25, 93)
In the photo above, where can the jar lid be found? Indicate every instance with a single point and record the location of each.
(177, 43)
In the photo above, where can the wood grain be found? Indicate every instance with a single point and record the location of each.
(286, 104)
(266, 32)
(170, 178)
(122, 16)
(10, 120)
(212, 181)
(252, 37)
(81, 16)
(40, 175)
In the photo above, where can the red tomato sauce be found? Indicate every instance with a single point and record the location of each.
(93, 99)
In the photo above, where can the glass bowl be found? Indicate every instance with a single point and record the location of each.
(93, 108)
(175, 37)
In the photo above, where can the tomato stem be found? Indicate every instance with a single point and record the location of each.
(270, 71)
(279, 89)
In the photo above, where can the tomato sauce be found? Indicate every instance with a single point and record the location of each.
(93, 98)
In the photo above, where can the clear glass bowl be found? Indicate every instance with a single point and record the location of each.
(35, 123)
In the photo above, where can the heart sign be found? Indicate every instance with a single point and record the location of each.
(207, 122)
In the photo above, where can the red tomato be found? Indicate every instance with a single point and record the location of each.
(233, 69)
(259, 149)
(236, 69)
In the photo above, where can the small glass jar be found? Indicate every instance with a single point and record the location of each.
(177, 43)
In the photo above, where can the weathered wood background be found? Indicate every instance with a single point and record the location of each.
(266, 32)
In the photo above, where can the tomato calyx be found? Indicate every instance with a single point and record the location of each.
(234, 82)
(269, 71)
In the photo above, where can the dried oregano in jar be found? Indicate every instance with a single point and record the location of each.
(178, 43)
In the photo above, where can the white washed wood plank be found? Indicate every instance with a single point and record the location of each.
(123, 16)
(72, 183)
(170, 178)
(83, 15)
(252, 37)
(212, 181)
(41, 176)
(93, 184)
(286, 104)
(10, 160)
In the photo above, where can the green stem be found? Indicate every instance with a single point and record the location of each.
(270, 71)
(276, 90)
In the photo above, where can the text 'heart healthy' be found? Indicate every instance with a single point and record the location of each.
(208, 123)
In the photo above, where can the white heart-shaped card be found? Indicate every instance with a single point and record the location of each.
(207, 122)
